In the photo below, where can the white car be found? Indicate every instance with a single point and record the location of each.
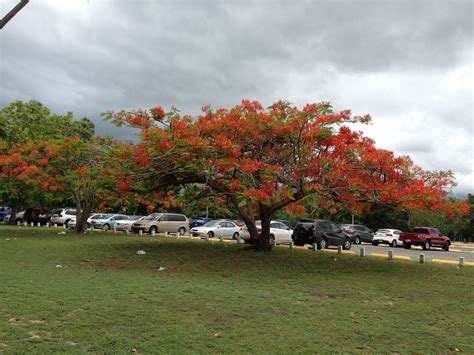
(96, 216)
(218, 228)
(72, 222)
(387, 236)
(63, 216)
(279, 232)
(107, 221)
(126, 224)
(18, 217)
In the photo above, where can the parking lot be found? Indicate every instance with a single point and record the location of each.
(456, 251)
(413, 254)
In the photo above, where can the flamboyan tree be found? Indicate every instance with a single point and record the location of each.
(265, 160)
(69, 165)
(22, 122)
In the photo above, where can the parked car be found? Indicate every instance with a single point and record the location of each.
(289, 224)
(96, 216)
(199, 221)
(425, 237)
(239, 222)
(107, 222)
(162, 222)
(323, 233)
(358, 233)
(63, 216)
(279, 232)
(218, 228)
(126, 224)
(36, 215)
(72, 222)
(18, 217)
(4, 212)
(387, 236)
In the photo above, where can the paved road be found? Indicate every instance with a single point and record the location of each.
(435, 254)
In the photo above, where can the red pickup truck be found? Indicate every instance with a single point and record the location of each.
(426, 237)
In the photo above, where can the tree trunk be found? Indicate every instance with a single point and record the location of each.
(84, 204)
(86, 208)
(13, 215)
(263, 242)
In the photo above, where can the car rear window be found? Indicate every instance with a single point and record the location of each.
(383, 231)
(421, 230)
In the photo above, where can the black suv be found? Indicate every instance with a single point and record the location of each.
(323, 233)
(358, 233)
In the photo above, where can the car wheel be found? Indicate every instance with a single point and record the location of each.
(88, 225)
(347, 244)
(105, 227)
(407, 245)
(67, 222)
(210, 234)
(427, 245)
(446, 247)
(393, 243)
(322, 244)
(357, 240)
(235, 236)
(375, 243)
(272, 239)
(181, 231)
(153, 228)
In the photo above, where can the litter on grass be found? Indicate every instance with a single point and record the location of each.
(141, 252)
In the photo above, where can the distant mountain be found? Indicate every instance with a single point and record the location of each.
(459, 195)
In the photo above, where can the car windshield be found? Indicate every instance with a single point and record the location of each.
(135, 218)
(99, 216)
(383, 231)
(211, 224)
(152, 216)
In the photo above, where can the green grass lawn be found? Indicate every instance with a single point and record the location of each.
(107, 299)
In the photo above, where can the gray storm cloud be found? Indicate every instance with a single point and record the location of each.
(407, 63)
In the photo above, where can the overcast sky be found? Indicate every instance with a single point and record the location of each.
(407, 63)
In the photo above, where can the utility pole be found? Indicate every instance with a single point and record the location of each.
(13, 12)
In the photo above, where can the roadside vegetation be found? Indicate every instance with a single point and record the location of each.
(93, 293)
(257, 162)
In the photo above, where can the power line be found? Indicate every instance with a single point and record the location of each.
(13, 12)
